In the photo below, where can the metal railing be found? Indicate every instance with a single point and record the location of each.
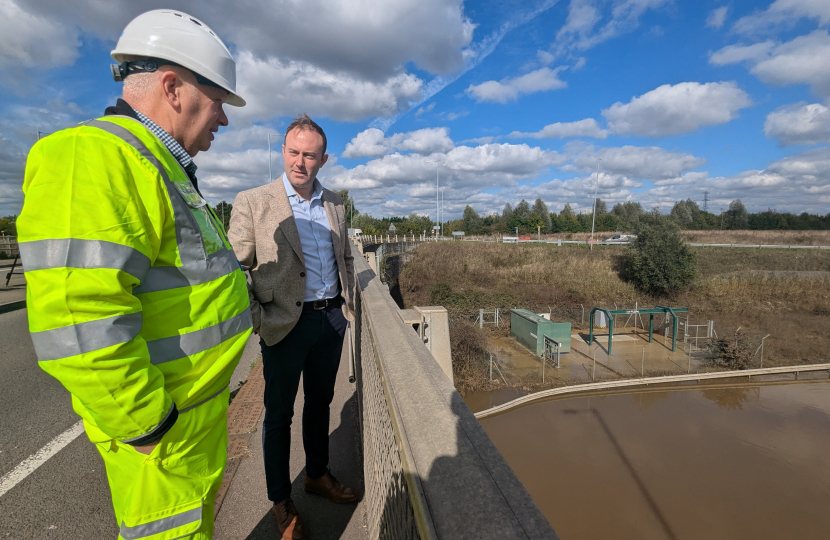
(430, 470)
(8, 244)
(552, 348)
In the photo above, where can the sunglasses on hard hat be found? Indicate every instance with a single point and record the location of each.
(124, 69)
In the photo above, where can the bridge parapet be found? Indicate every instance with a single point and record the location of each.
(431, 472)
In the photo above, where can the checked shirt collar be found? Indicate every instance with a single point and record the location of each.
(175, 148)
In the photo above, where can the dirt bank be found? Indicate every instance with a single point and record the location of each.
(783, 293)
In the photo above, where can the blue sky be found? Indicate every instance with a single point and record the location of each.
(506, 99)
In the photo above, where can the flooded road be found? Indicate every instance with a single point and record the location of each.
(716, 463)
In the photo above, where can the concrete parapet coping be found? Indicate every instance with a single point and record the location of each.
(459, 484)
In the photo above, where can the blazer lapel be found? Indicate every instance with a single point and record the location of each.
(285, 217)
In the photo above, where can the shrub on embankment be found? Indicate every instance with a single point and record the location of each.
(785, 293)
(658, 261)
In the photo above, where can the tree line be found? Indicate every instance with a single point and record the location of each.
(530, 219)
(623, 217)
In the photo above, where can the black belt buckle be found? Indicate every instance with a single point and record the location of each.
(319, 304)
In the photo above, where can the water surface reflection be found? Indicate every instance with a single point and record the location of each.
(717, 463)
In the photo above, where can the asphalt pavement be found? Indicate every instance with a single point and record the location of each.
(67, 497)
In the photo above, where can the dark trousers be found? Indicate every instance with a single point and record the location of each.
(313, 348)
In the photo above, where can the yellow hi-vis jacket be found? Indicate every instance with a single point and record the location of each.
(137, 304)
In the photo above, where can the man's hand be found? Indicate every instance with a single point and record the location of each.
(146, 450)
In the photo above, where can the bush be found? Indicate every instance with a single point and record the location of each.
(734, 354)
(658, 261)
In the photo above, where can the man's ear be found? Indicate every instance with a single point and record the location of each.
(171, 87)
(324, 159)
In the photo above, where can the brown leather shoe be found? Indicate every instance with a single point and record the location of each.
(328, 486)
(288, 522)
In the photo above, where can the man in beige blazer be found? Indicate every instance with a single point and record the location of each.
(290, 236)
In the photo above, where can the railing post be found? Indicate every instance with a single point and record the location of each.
(650, 327)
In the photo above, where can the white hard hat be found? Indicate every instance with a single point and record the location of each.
(184, 40)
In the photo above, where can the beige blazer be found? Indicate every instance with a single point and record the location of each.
(265, 239)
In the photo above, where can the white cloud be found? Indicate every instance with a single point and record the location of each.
(784, 12)
(563, 130)
(799, 123)
(238, 160)
(545, 58)
(450, 116)
(733, 54)
(373, 143)
(509, 89)
(426, 109)
(673, 110)
(338, 58)
(580, 31)
(717, 17)
(638, 162)
(370, 39)
(18, 132)
(34, 40)
(804, 60)
(479, 166)
(276, 88)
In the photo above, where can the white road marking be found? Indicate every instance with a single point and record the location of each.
(30, 464)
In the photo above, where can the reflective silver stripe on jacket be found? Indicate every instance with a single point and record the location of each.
(184, 345)
(86, 337)
(197, 267)
(217, 394)
(160, 525)
(88, 254)
(162, 278)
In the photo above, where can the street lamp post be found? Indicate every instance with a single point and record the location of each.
(441, 230)
(437, 210)
(594, 216)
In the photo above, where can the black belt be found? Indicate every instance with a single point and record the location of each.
(324, 303)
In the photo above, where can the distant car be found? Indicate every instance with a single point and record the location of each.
(619, 239)
(355, 232)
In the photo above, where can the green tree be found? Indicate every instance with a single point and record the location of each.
(471, 220)
(223, 212)
(348, 203)
(602, 208)
(658, 261)
(540, 209)
(568, 221)
(736, 216)
(521, 218)
(628, 214)
(687, 214)
(507, 217)
(8, 226)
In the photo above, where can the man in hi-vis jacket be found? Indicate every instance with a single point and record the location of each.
(136, 302)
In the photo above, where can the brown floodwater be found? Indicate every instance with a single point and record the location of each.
(728, 462)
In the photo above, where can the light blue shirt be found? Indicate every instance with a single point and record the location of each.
(321, 280)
